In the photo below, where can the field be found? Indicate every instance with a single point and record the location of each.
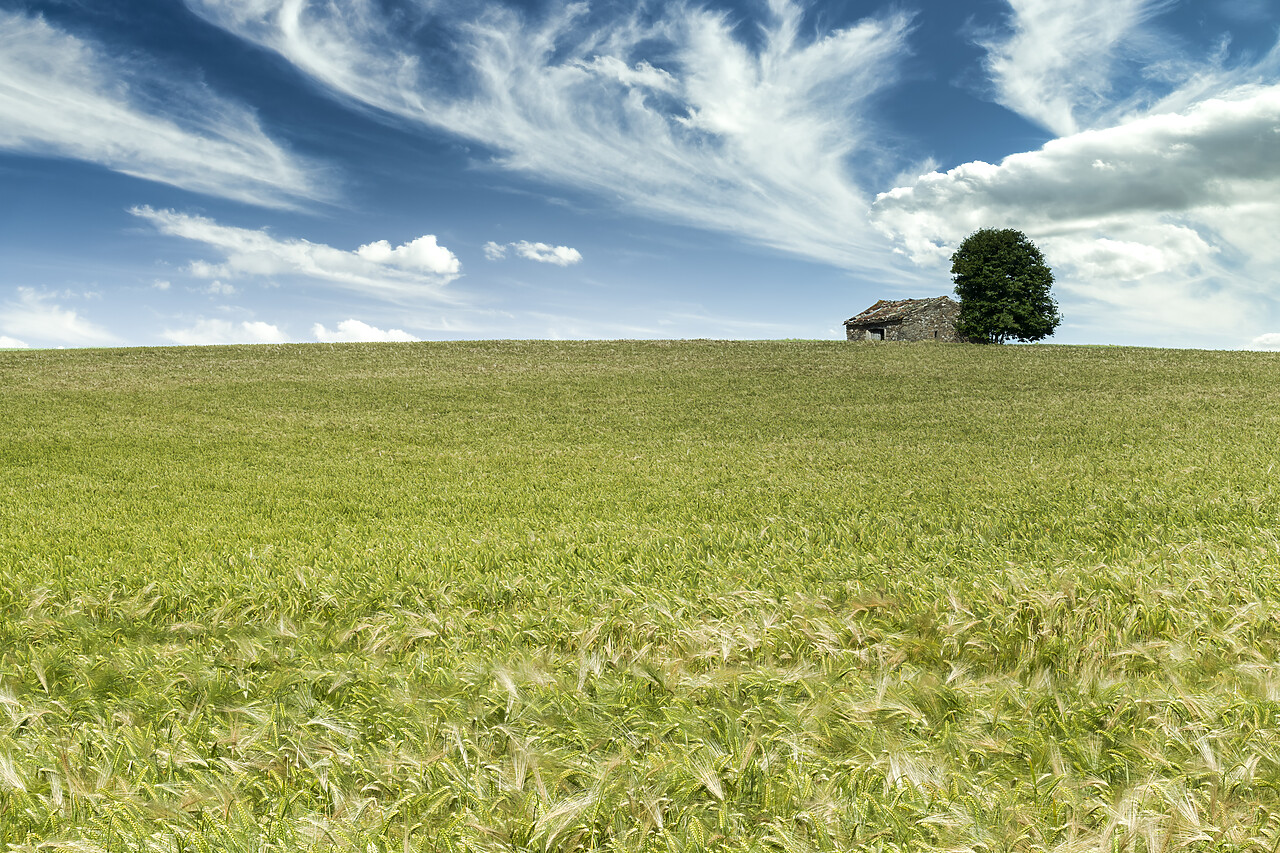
(639, 596)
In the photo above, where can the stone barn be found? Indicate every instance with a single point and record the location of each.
(906, 320)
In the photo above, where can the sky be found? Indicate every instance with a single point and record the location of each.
(265, 171)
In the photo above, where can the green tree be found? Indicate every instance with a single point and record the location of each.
(1003, 283)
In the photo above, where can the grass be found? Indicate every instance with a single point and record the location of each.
(639, 596)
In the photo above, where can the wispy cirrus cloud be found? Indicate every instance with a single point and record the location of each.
(414, 271)
(1073, 65)
(36, 316)
(671, 111)
(1057, 63)
(64, 96)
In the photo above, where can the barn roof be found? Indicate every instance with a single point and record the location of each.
(892, 310)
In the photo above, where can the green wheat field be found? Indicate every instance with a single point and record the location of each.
(639, 596)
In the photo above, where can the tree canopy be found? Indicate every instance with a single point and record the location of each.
(1003, 283)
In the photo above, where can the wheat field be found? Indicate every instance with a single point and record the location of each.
(639, 596)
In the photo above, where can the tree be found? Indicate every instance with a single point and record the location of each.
(1003, 284)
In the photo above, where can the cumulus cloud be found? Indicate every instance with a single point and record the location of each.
(63, 96)
(350, 331)
(414, 271)
(422, 255)
(208, 332)
(1157, 202)
(1269, 341)
(561, 256)
(545, 253)
(672, 112)
(1219, 153)
(1155, 216)
(35, 316)
(7, 342)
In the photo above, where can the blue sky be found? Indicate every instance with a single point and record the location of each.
(228, 171)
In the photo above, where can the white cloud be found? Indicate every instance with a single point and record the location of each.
(350, 331)
(675, 115)
(415, 271)
(1163, 218)
(1218, 154)
(1214, 78)
(210, 332)
(1158, 248)
(641, 76)
(161, 284)
(1072, 65)
(36, 317)
(1269, 341)
(1057, 63)
(63, 96)
(561, 256)
(7, 342)
(218, 288)
(422, 255)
